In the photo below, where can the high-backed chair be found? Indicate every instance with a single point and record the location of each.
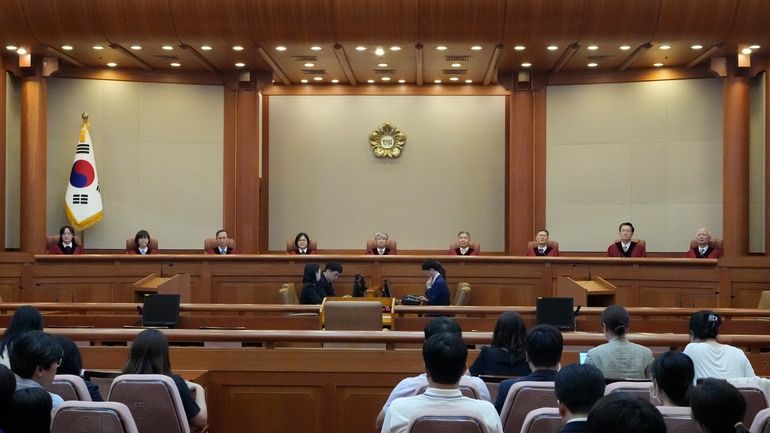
(641, 389)
(288, 294)
(761, 422)
(131, 244)
(473, 245)
(713, 243)
(93, 417)
(522, 398)
(447, 421)
(756, 399)
(52, 240)
(390, 243)
(153, 400)
(291, 246)
(549, 243)
(211, 243)
(463, 294)
(678, 419)
(543, 420)
(469, 390)
(353, 315)
(70, 387)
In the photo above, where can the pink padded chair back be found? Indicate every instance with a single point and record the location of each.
(474, 246)
(543, 420)
(211, 243)
(70, 387)
(99, 416)
(756, 401)
(641, 389)
(153, 400)
(131, 244)
(522, 398)
(678, 419)
(447, 421)
(761, 422)
(468, 390)
(390, 243)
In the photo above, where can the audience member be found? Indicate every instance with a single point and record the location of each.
(149, 355)
(672, 377)
(142, 244)
(26, 318)
(72, 363)
(311, 292)
(463, 245)
(541, 248)
(302, 244)
(35, 356)
(703, 250)
(619, 358)
(412, 385)
(437, 292)
(543, 346)
(505, 357)
(30, 411)
(445, 357)
(7, 388)
(710, 358)
(718, 407)
(625, 247)
(578, 388)
(622, 412)
(222, 248)
(66, 244)
(380, 242)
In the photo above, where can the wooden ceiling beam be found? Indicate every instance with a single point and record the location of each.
(493, 61)
(131, 56)
(274, 66)
(342, 59)
(638, 52)
(199, 57)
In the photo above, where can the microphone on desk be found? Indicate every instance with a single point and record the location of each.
(574, 317)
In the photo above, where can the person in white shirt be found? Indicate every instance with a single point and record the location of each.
(445, 356)
(711, 358)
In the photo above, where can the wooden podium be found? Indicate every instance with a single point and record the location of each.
(596, 292)
(154, 283)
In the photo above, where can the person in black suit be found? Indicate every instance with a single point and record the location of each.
(578, 387)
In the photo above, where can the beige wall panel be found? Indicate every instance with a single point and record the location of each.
(632, 151)
(325, 180)
(158, 152)
(757, 129)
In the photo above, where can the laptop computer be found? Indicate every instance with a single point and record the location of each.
(160, 310)
(557, 312)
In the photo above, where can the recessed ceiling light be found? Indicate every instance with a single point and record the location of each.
(370, 81)
(593, 47)
(385, 78)
(318, 78)
(665, 47)
(335, 81)
(309, 65)
(754, 47)
(66, 47)
(315, 48)
(206, 48)
(303, 81)
(746, 51)
(11, 47)
(240, 65)
(112, 64)
(469, 81)
(456, 65)
(519, 48)
(176, 64)
(237, 48)
(441, 48)
(437, 81)
(21, 51)
(402, 81)
(696, 46)
(98, 47)
(526, 65)
(453, 79)
(379, 51)
(360, 48)
(625, 47)
(552, 48)
(382, 65)
(657, 65)
(593, 65)
(280, 48)
(476, 48)
(136, 47)
(167, 47)
(395, 48)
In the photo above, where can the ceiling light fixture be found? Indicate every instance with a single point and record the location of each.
(315, 48)
(176, 64)
(136, 47)
(657, 65)
(476, 48)
(206, 47)
(112, 64)
(526, 65)
(625, 47)
(519, 48)
(665, 47)
(11, 47)
(67, 47)
(360, 48)
(335, 81)
(385, 78)
(696, 47)
(303, 81)
(309, 65)
(98, 47)
(167, 47)
(593, 65)
(280, 48)
(237, 48)
(453, 79)
(455, 65)
(441, 48)
(379, 51)
(370, 81)
(240, 65)
(382, 65)
(746, 50)
(469, 81)
(552, 48)
(21, 51)
(437, 81)
(318, 78)
(395, 48)
(402, 81)
(592, 47)
(754, 47)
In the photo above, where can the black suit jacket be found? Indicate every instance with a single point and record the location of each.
(575, 427)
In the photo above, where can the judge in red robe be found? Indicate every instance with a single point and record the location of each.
(542, 248)
(703, 250)
(464, 246)
(625, 247)
(66, 244)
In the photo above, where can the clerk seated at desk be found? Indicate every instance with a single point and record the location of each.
(625, 246)
(317, 285)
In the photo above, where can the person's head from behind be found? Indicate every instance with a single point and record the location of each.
(30, 410)
(541, 237)
(441, 325)
(26, 318)
(36, 355)
(67, 235)
(464, 239)
(578, 387)
(543, 346)
(672, 375)
(380, 239)
(445, 356)
(704, 325)
(302, 240)
(311, 274)
(509, 333)
(7, 387)
(142, 239)
(615, 320)
(332, 271)
(149, 354)
(621, 412)
(626, 231)
(221, 238)
(71, 361)
(717, 406)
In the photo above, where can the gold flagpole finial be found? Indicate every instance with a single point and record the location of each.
(86, 123)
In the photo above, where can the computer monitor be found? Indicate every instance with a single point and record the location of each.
(556, 312)
(386, 292)
(160, 310)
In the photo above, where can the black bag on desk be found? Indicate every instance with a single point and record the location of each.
(411, 300)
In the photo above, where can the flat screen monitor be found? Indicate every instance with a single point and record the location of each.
(556, 312)
(386, 292)
(160, 310)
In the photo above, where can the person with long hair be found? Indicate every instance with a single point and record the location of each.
(72, 363)
(718, 407)
(302, 244)
(67, 243)
(505, 357)
(711, 358)
(26, 318)
(619, 358)
(142, 244)
(311, 293)
(672, 376)
(149, 355)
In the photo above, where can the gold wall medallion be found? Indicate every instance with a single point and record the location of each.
(387, 141)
